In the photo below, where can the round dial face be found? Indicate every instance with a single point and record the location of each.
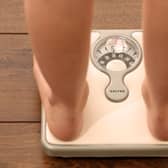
(119, 48)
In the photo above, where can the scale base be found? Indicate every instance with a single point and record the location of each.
(110, 129)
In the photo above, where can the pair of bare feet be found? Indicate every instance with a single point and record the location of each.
(66, 24)
(66, 122)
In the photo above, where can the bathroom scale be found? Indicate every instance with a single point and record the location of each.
(115, 116)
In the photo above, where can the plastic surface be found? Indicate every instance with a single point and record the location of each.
(110, 129)
(110, 47)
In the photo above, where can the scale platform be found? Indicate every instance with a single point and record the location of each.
(115, 122)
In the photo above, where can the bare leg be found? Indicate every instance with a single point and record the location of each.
(60, 31)
(155, 87)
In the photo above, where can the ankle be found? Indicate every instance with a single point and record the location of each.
(76, 104)
(154, 98)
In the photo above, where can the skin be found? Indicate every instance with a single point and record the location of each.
(60, 32)
(155, 86)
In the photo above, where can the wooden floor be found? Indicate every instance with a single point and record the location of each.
(19, 100)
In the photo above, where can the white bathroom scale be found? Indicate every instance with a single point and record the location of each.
(115, 117)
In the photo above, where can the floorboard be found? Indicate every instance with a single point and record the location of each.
(107, 14)
(18, 92)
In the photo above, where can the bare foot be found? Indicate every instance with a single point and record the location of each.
(64, 122)
(157, 114)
